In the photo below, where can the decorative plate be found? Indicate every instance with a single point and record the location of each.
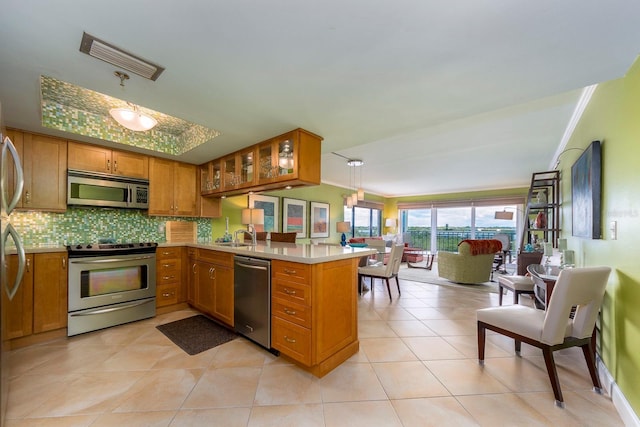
(358, 245)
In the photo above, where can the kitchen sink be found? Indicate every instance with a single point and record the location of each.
(234, 244)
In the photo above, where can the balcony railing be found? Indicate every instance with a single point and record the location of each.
(447, 240)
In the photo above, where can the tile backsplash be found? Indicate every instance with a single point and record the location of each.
(83, 225)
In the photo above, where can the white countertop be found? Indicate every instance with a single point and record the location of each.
(304, 253)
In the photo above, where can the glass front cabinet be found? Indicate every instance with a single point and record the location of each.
(291, 159)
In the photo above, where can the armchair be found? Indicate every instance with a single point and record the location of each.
(471, 264)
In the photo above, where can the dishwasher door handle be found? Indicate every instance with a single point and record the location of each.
(255, 267)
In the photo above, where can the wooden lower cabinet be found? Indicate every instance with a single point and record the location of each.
(50, 291)
(314, 318)
(211, 283)
(169, 276)
(18, 313)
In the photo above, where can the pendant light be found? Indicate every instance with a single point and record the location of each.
(131, 117)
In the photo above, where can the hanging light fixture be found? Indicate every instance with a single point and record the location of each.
(131, 117)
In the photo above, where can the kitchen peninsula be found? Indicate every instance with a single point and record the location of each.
(314, 297)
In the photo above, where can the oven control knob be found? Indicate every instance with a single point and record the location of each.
(89, 246)
(79, 247)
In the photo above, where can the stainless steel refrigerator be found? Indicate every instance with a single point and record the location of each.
(11, 183)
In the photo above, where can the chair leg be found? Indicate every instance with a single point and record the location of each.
(360, 284)
(388, 289)
(591, 364)
(516, 295)
(518, 346)
(482, 332)
(398, 284)
(553, 375)
(500, 290)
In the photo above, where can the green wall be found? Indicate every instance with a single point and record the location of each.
(613, 116)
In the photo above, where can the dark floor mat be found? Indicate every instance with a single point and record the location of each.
(196, 334)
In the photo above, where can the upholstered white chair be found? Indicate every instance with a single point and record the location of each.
(517, 284)
(560, 326)
(382, 271)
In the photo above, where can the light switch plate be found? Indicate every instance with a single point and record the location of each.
(613, 228)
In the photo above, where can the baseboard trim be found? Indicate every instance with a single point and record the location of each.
(620, 402)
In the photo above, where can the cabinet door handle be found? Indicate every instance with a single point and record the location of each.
(64, 263)
(212, 272)
(291, 340)
(289, 312)
(28, 268)
(115, 165)
(108, 165)
(193, 268)
(27, 197)
(289, 291)
(287, 271)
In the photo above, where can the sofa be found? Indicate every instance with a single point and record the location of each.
(472, 263)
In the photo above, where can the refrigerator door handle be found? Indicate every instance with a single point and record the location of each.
(8, 146)
(11, 291)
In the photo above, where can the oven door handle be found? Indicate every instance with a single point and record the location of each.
(103, 261)
(112, 309)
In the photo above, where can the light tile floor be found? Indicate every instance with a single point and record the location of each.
(417, 366)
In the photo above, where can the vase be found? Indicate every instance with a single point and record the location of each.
(541, 220)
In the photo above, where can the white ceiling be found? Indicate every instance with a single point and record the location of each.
(435, 97)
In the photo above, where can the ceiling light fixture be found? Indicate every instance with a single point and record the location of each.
(114, 55)
(352, 199)
(131, 118)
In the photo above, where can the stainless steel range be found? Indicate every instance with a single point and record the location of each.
(110, 284)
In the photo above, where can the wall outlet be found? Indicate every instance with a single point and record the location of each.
(161, 227)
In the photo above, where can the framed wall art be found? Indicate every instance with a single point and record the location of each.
(270, 205)
(586, 176)
(294, 217)
(319, 224)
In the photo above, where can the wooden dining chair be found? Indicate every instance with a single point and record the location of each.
(283, 237)
(569, 321)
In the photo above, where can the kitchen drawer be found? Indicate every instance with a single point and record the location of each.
(216, 257)
(291, 291)
(291, 271)
(168, 264)
(291, 340)
(167, 253)
(166, 295)
(292, 312)
(170, 276)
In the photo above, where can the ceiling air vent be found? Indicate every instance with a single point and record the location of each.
(118, 57)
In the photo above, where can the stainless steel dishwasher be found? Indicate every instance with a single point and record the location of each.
(252, 299)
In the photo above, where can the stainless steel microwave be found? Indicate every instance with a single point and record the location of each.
(104, 190)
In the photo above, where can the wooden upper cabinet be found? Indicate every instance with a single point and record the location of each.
(172, 188)
(184, 189)
(291, 159)
(44, 162)
(100, 159)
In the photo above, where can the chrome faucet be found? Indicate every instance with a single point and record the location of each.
(251, 232)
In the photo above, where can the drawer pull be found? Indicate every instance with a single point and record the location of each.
(166, 265)
(289, 291)
(289, 312)
(289, 340)
(168, 277)
(287, 271)
(167, 294)
(166, 253)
